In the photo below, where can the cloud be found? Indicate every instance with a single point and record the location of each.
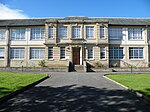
(8, 13)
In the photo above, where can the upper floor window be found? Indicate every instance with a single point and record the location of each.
(17, 53)
(148, 34)
(37, 33)
(116, 53)
(90, 52)
(102, 30)
(37, 53)
(18, 34)
(50, 32)
(2, 34)
(135, 33)
(50, 53)
(1, 53)
(62, 32)
(62, 53)
(102, 53)
(89, 31)
(76, 32)
(115, 33)
(136, 53)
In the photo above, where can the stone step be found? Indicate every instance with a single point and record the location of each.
(79, 68)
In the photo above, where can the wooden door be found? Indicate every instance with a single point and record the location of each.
(76, 56)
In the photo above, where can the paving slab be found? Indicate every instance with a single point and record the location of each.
(76, 92)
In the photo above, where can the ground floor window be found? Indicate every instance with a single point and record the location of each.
(37, 53)
(136, 53)
(50, 53)
(102, 53)
(90, 52)
(17, 53)
(116, 53)
(62, 53)
(1, 53)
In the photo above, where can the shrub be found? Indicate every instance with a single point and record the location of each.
(42, 63)
(98, 65)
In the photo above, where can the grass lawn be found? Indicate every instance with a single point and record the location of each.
(137, 82)
(10, 81)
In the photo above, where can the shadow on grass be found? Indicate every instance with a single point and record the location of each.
(74, 99)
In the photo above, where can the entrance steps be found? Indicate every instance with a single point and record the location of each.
(79, 68)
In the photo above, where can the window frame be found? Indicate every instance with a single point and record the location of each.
(37, 33)
(2, 34)
(63, 34)
(115, 33)
(17, 31)
(102, 32)
(116, 51)
(37, 53)
(133, 32)
(2, 53)
(17, 56)
(88, 33)
(103, 50)
(88, 53)
(50, 32)
(63, 54)
(50, 52)
(133, 51)
(79, 33)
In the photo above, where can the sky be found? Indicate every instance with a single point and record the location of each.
(18, 9)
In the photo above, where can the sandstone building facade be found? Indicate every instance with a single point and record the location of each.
(112, 42)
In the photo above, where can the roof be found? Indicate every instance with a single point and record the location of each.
(42, 21)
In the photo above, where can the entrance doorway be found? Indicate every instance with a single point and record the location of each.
(76, 55)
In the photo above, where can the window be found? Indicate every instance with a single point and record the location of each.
(1, 53)
(2, 34)
(17, 53)
(90, 52)
(76, 32)
(62, 32)
(18, 34)
(116, 53)
(102, 34)
(62, 53)
(102, 52)
(135, 53)
(148, 34)
(50, 53)
(37, 53)
(37, 33)
(51, 32)
(135, 33)
(89, 31)
(115, 33)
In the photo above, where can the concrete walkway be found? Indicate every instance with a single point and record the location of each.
(76, 92)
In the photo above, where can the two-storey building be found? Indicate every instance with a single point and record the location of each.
(113, 42)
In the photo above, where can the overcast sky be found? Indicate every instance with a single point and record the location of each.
(11, 9)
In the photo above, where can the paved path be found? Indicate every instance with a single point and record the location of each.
(76, 92)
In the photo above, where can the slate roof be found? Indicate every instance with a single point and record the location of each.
(42, 21)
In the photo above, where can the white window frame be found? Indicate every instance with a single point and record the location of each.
(16, 34)
(2, 52)
(17, 53)
(62, 53)
(51, 32)
(116, 51)
(135, 33)
(102, 32)
(63, 32)
(90, 32)
(136, 50)
(103, 50)
(37, 33)
(2, 34)
(115, 33)
(90, 53)
(76, 32)
(38, 53)
(50, 53)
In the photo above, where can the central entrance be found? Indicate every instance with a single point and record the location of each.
(76, 55)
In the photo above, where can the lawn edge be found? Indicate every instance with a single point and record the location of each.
(13, 94)
(138, 94)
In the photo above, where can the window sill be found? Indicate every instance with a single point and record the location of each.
(77, 38)
(64, 59)
(17, 59)
(137, 59)
(103, 38)
(38, 40)
(116, 59)
(36, 59)
(18, 40)
(92, 59)
(103, 59)
(51, 59)
(135, 40)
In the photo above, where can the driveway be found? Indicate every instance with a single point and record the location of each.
(76, 92)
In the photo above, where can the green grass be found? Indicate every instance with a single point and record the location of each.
(137, 82)
(10, 82)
